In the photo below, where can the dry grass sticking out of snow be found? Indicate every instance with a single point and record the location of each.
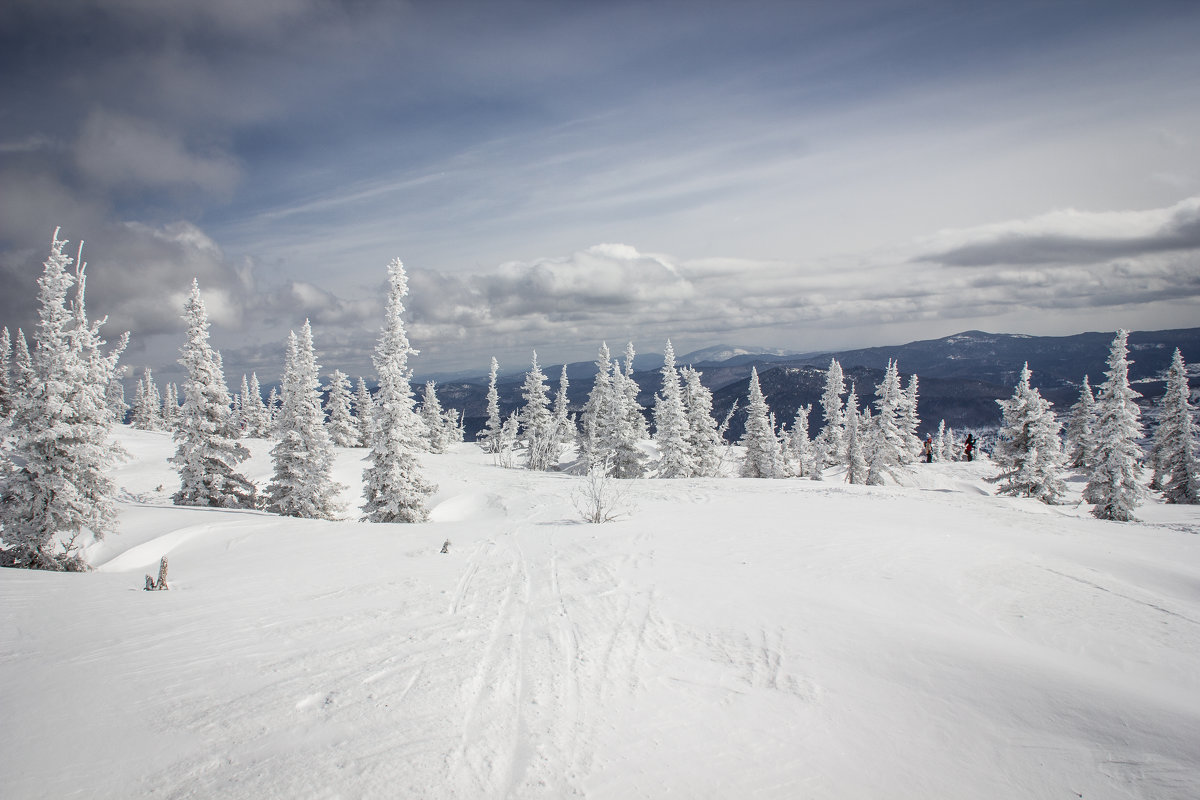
(730, 638)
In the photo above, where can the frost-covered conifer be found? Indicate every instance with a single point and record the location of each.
(539, 430)
(803, 457)
(343, 429)
(437, 438)
(208, 450)
(1078, 433)
(639, 429)
(363, 408)
(55, 483)
(5, 375)
(302, 484)
(829, 442)
(762, 456)
(273, 408)
(171, 408)
(939, 442)
(393, 486)
(114, 396)
(953, 453)
(671, 423)
(564, 422)
(856, 464)
(147, 404)
(599, 430)
(1113, 487)
(889, 441)
(704, 441)
(1029, 452)
(22, 367)
(256, 415)
(910, 423)
(1174, 454)
(489, 436)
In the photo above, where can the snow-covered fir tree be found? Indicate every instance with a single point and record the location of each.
(302, 484)
(800, 447)
(599, 429)
(539, 430)
(939, 442)
(343, 429)
(829, 442)
(1078, 433)
(1174, 456)
(490, 435)
(208, 450)
(22, 367)
(910, 422)
(762, 456)
(953, 453)
(114, 397)
(671, 423)
(704, 441)
(54, 481)
(1029, 452)
(564, 422)
(147, 404)
(363, 407)
(1113, 486)
(5, 375)
(394, 488)
(639, 428)
(256, 414)
(272, 409)
(437, 437)
(888, 439)
(171, 408)
(852, 441)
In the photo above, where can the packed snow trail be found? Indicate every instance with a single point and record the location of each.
(729, 638)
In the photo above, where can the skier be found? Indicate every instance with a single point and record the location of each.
(969, 447)
(927, 449)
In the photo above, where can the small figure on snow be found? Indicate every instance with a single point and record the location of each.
(969, 447)
(927, 449)
(446, 546)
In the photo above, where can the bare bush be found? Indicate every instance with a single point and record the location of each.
(600, 497)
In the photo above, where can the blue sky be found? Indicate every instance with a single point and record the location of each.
(796, 175)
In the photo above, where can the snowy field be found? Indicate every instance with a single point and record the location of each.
(727, 639)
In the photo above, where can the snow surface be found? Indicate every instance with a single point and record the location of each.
(729, 638)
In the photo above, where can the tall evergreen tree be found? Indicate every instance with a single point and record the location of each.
(393, 486)
(1174, 454)
(856, 464)
(1029, 452)
(704, 440)
(538, 427)
(639, 429)
(114, 396)
(147, 404)
(5, 375)
(258, 416)
(599, 430)
(1113, 487)
(671, 423)
(804, 459)
(829, 442)
(1078, 434)
(565, 430)
(208, 450)
(910, 422)
(939, 442)
(762, 456)
(343, 429)
(54, 484)
(489, 437)
(363, 408)
(302, 484)
(171, 408)
(888, 437)
(437, 438)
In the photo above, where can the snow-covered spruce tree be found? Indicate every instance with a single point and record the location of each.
(437, 438)
(114, 397)
(598, 434)
(1078, 433)
(953, 453)
(704, 441)
(393, 486)
(208, 450)
(564, 423)
(852, 457)
(272, 409)
(302, 484)
(147, 404)
(762, 456)
(1029, 452)
(343, 429)
(939, 442)
(55, 484)
(364, 406)
(5, 375)
(489, 437)
(671, 423)
(829, 442)
(639, 428)
(1175, 439)
(803, 457)
(889, 442)
(171, 408)
(1113, 486)
(539, 430)
(910, 422)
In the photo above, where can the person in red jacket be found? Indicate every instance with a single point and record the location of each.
(969, 447)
